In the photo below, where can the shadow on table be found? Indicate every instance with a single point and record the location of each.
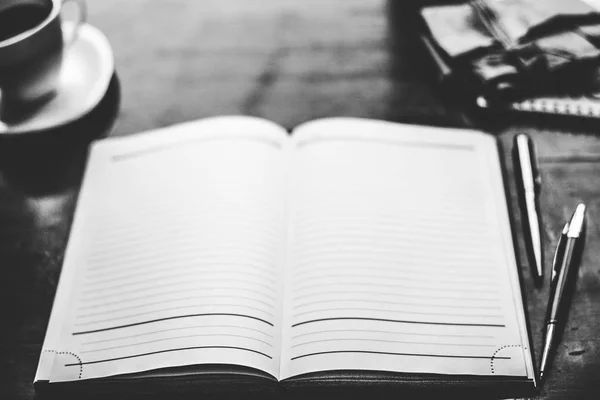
(369, 392)
(51, 161)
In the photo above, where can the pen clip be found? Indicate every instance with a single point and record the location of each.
(526, 157)
(559, 250)
(537, 178)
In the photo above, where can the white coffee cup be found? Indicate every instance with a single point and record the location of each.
(32, 43)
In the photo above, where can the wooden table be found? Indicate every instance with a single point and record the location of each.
(289, 61)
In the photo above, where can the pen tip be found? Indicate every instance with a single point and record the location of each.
(541, 376)
(577, 220)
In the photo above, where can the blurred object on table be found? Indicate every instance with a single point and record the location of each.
(510, 51)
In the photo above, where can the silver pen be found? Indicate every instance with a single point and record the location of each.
(565, 258)
(558, 253)
(530, 186)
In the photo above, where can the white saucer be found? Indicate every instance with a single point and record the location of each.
(87, 69)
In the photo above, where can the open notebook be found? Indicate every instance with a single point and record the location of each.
(226, 247)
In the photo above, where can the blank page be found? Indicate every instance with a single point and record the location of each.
(400, 254)
(175, 254)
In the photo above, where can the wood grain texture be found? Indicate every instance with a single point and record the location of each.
(290, 61)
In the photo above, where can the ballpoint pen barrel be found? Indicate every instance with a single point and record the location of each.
(558, 254)
(549, 336)
(535, 171)
(531, 226)
(561, 289)
(566, 260)
(528, 185)
(535, 238)
(560, 299)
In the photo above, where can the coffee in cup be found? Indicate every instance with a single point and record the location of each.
(31, 52)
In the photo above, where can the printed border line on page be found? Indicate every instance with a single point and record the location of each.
(396, 321)
(397, 354)
(166, 351)
(185, 142)
(402, 143)
(110, 328)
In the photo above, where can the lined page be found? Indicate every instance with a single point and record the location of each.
(175, 255)
(400, 254)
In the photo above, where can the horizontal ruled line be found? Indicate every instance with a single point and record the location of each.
(328, 227)
(176, 288)
(170, 300)
(183, 226)
(192, 251)
(177, 329)
(395, 321)
(178, 261)
(186, 268)
(396, 333)
(458, 255)
(154, 311)
(410, 246)
(170, 292)
(434, 285)
(415, 294)
(372, 310)
(397, 303)
(193, 236)
(171, 318)
(394, 267)
(175, 338)
(391, 341)
(169, 351)
(191, 142)
(126, 228)
(345, 138)
(394, 275)
(395, 354)
(358, 259)
(194, 276)
(390, 285)
(311, 221)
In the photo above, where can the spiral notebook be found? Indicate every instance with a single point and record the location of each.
(577, 106)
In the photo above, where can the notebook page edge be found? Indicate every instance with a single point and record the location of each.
(67, 274)
(495, 166)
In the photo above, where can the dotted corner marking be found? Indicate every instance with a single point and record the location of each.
(71, 354)
(497, 351)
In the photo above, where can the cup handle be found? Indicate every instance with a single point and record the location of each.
(82, 16)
